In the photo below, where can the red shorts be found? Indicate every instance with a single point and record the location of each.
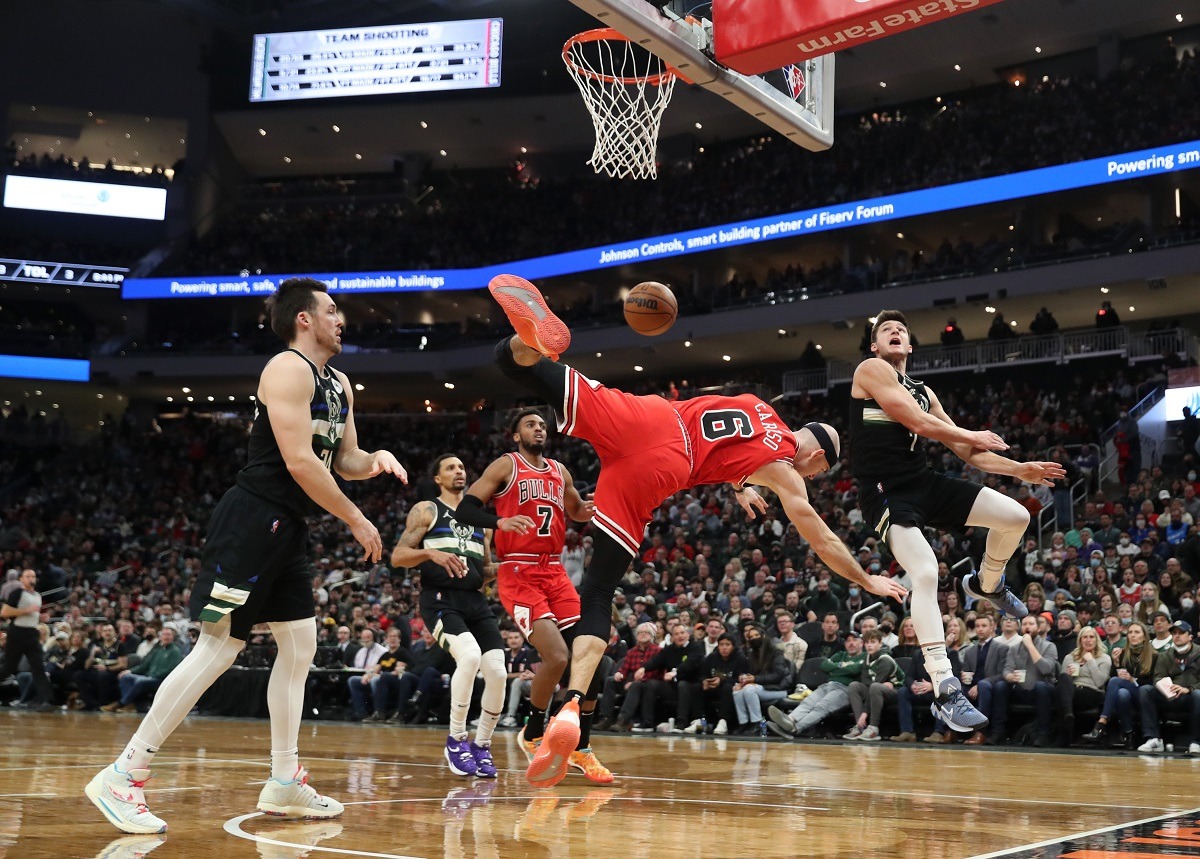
(532, 590)
(645, 454)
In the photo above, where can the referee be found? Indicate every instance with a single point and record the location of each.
(22, 609)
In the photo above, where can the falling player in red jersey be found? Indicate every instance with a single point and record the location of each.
(649, 449)
(534, 587)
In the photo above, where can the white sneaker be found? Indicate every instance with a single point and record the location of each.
(131, 847)
(721, 729)
(1194, 749)
(296, 798)
(1154, 744)
(301, 835)
(119, 797)
(853, 734)
(693, 728)
(508, 722)
(870, 734)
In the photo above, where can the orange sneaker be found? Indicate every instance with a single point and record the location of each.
(586, 762)
(549, 764)
(534, 322)
(589, 805)
(529, 747)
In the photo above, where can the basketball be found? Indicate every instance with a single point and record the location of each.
(650, 308)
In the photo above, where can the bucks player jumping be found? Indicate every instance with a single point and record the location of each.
(900, 495)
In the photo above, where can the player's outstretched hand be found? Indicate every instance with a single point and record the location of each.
(750, 500)
(368, 537)
(453, 564)
(988, 440)
(1044, 473)
(885, 587)
(515, 524)
(382, 461)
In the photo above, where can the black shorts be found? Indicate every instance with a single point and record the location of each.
(453, 612)
(928, 498)
(255, 566)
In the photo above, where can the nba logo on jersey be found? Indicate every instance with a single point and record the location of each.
(274, 526)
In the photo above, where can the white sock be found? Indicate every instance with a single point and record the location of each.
(137, 755)
(937, 664)
(991, 573)
(285, 764)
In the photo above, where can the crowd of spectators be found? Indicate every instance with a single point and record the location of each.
(62, 166)
(984, 132)
(119, 525)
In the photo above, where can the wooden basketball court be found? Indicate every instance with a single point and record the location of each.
(674, 796)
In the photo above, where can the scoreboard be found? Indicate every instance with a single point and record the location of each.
(61, 273)
(406, 58)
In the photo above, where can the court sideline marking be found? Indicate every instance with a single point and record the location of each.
(234, 825)
(1075, 836)
(763, 785)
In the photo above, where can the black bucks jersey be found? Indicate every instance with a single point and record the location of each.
(880, 446)
(447, 535)
(265, 473)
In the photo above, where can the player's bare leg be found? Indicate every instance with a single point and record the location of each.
(548, 641)
(552, 755)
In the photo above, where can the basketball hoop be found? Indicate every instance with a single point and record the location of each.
(626, 89)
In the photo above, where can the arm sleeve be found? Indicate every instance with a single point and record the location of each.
(470, 512)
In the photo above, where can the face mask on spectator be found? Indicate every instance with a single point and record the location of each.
(1124, 541)
(1125, 621)
(1184, 649)
(1147, 597)
(1141, 523)
(1095, 562)
(854, 591)
(1191, 477)
(876, 566)
(1057, 562)
(1186, 603)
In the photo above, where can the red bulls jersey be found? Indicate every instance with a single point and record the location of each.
(733, 437)
(538, 494)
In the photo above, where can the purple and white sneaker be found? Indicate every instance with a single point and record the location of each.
(459, 756)
(485, 767)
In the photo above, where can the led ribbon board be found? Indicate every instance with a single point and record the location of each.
(1030, 183)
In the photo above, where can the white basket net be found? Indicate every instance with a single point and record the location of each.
(626, 89)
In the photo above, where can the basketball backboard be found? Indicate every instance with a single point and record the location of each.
(796, 101)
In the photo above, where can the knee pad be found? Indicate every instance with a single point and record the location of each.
(493, 666)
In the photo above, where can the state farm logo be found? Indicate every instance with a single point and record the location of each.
(900, 16)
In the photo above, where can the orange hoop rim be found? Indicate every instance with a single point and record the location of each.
(608, 34)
